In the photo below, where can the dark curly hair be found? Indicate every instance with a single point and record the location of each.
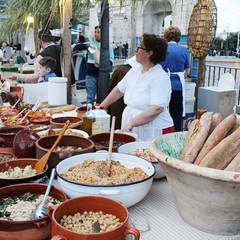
(48, 62)
(172, 34)
(157, 45)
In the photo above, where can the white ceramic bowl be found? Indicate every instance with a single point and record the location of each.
(128, 194)
(132, 146)
(206, 198)
(75, 132)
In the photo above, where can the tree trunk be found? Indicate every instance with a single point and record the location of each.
(104, 67)
(201, 71)
(133, 32)
(66, 46)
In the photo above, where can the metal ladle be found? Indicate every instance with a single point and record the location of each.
(42, 209)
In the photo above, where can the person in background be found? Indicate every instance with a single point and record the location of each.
(80, 62)
(47, 68)
(48, 48)
(92, 69)
(178, 64)
(146, 89)
(116, 109)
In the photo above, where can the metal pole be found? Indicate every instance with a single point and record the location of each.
(104, 67)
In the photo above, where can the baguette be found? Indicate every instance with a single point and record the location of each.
(61, 109)
(216, 136)
(193, 128)
(236, 126)
(234, 165)
(197, 139)
(216, 119)
(222, 154)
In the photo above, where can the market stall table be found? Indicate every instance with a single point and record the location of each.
(156, 217)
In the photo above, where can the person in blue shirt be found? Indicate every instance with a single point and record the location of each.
(47, 66)
(177, 64)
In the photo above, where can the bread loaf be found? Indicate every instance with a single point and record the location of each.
(218, 134)
(216, 119)
(234, 165)
(193, 128)
(197, 139)
(61, 109)
(223, 153)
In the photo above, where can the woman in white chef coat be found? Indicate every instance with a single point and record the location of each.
(147, 90)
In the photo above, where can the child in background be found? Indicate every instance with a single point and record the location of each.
(47, 68)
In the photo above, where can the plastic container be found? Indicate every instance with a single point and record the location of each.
(57, 91)
(189, 105)
(102, 120)
(190, 89)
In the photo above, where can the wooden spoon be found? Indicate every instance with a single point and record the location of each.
(39, 166)
(110, 147)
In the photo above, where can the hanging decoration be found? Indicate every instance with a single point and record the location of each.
(202, 27)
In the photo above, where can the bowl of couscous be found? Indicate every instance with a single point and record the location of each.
(129, 181)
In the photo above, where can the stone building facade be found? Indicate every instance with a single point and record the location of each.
(148, 16)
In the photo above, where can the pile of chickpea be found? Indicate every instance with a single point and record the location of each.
(82, 223)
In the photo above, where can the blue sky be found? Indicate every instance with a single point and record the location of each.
(228, 12)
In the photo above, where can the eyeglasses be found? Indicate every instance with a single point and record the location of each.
(141, 48)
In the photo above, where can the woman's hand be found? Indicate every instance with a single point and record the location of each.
(128, 127)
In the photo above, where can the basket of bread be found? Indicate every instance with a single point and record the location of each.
(202, 167)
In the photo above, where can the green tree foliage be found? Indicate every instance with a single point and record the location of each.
(229, 44)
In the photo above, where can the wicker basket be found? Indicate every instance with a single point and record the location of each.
(202, 27)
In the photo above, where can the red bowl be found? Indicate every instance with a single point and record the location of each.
(6, 110)
(7, 116)
(36, 114)
(41, 120)
(15, 122)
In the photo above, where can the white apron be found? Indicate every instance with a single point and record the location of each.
(147, 132)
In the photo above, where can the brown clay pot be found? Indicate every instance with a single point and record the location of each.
(22, 163)
(7, 135)
(45, 143)
(24, 144)
(81, 110)
(105, 137)
(95, 204)
(41, 120)
(28, 230)
(60, 121)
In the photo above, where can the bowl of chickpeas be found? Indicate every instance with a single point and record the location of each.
(91, 217)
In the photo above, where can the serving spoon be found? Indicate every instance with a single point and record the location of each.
(39, 166)
(42, 209)
(109, 160)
